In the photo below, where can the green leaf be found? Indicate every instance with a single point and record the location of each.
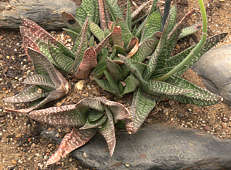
(114, 10)
(39, 79)
(66, 115)
(29, 94)
(94, 115)
(126, 33)
(128, 15)
(197, 95)
(189, 30)
(152, 25)
(95, 124)
(211, 42)
(96, 31)
(146, 48)
(115, 70)
(142, 105)
(61, 61)
(112, 83)
(131, 84)
(108, 131)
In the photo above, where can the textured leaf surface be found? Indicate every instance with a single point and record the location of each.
(198, 96)
(30, 94)
(97, 123)
(131, 84)
(189, 30)
(117, 37)
(88, 62)
(108, 131)
(142, 105)
(38, 79)
(152, 25)
(96, 31)
(67, 115)
(211, 42)
(70, 142)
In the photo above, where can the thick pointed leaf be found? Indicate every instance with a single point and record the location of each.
(139, 9)
(94, 115)
(88, 62)
(102, 43)
(146, 48)
(211, 42)
(40, 62)
(67, 115)
(38, 79)
(80, 45)
(108, 131)
(167, 6)
(189, 30)
(129, 15)
(95, 124)
(37, 33)
(152, 25)
(104, 85)
(198, 96)
(126, 33)
(142, 105)
(96, 31)
(119, 111)
(117, 37)
(103, 22)
(30, 94)
(115, 70)
(154, 87)
(70, 142)
(114, 85)
(114, 9)
(62, 61)
(131, 84)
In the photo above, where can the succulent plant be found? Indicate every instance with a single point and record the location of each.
(130, 55)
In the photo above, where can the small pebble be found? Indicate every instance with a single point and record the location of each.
(79, 85)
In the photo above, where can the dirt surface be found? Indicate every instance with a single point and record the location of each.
(22, 146)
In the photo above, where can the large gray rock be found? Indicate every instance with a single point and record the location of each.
(214, 68)
(47, 13)
(158, 147)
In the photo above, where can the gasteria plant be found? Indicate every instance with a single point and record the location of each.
(131, 55)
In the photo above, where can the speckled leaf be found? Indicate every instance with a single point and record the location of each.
(80, 45)
(108, 131)
(126, 33)
(152, 25)
(70, 142)
(211, 42)
(114, 10)
(129, 15)
(62, 61)
(88, 62)
(38, 79)
(103, 22)
(189, 30)
(197, 95)
(142, 105)
(67, 115)
(146, 48)
(96, 31)
(29, 94)
(117, 37)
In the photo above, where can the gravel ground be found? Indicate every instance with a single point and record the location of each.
(22, 146)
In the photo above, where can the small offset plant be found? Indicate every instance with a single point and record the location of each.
(129, 56)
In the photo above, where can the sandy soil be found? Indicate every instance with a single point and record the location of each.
(22, 146)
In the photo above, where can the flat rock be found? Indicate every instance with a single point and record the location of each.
(158, 147)
(214, 67)
(46, 13)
